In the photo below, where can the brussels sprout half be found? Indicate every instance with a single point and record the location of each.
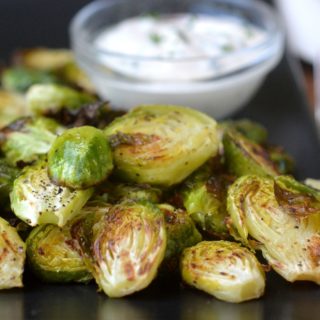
(161, 145)
(282, 217)
(43, 99)
(26, 139)
(12, 256)
(127, 247)
(223, 269)
(54, 256)
(36, 200)
(246, 157)
(80, 158)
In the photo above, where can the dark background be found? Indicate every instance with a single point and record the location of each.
(26, 23)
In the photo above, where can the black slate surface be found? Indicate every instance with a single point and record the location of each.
(280, 105)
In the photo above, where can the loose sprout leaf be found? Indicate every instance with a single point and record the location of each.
(36, 200)
(127, 248)
(28, 138)
(54, 256)
(223, 269)
(80, 158)
(12, 256)
(290, 243)
(161, 145)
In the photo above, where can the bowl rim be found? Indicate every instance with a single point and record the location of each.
(274, 36)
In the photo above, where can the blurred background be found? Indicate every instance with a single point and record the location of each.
(27, 23)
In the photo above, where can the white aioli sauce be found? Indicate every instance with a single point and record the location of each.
(177, 47)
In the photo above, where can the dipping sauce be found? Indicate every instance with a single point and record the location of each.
(187, 43)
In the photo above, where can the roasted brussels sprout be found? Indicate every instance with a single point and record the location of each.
(36, 200)
(43, 99)
(54, 256)
(282, 217)
(12, 106)
(20, 78)
(80, 158)
(12, 256)
(73, 75)
(25, 139)
(181, 233)
(204, 197)
(161, 145)
(43, 58)
(223, 269)
(246, 157)
(127, 247)
(251, 130)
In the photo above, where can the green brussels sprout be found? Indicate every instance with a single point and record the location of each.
(181, 233)
(12, 106)
(36, 200)
(46, 99)
(26, 139)
(127, 246)
(246, 157)
(223, 269)
(204, 196)
(313, 183)
(73, 75)
(54, 256)
(12, 256)
(160, 144)
(251, 130)
(20, 78)
(282, 218)
(80, 158)
(283, 161)
(43, 58)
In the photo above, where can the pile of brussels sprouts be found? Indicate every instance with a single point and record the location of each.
(92, 194)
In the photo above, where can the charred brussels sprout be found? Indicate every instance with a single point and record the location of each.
(12, 254)
(80, 158)
(47, 99)
(251, 130)
(43, 58)
(73, 75)
(204, 197)
(36, 200)
(12, 106)
(24, 140)
(20, 79)
(181, 233)
(223, 269)
(246, 157)
(282, 160)
(54, 256)
(161, 145)
(282, 217)
(127, 247)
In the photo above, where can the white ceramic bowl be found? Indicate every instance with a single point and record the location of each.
(219, 95)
